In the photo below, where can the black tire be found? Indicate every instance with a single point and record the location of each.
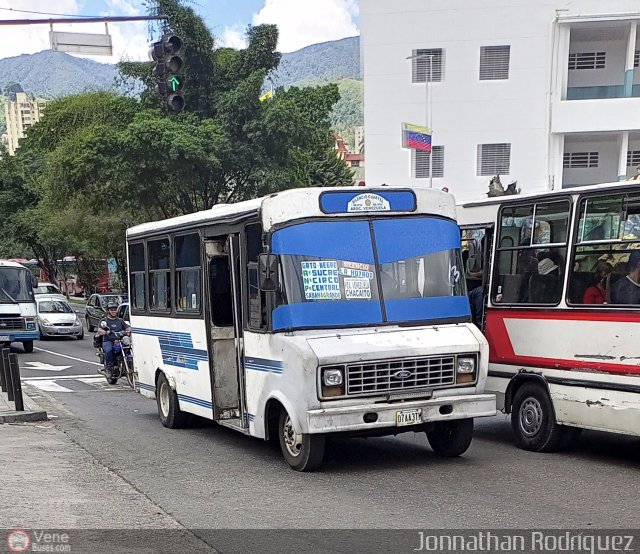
(533, 421)
(42, 337)
(131, 376)
(81, 335)
(90, 327)
(303, 452)
(171, 415)
(28, 346)
(451, 438)
(112, 380)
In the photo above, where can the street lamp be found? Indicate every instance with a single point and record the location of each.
(427, 102)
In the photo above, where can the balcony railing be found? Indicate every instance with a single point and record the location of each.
(600, 92)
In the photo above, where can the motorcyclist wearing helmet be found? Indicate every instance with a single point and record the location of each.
(111, 328)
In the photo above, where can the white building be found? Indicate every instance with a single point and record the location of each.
(20, 114)
(540, 91)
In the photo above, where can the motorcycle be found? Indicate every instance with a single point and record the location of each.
(122, 358)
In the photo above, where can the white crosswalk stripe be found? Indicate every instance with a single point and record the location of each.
(57, 384)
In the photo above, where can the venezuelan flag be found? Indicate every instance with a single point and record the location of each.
(266, 96)
(416, 137)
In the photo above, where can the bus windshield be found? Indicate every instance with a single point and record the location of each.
(15, 285)
(368, 272)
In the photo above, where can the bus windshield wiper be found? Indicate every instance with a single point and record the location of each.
(9, 296)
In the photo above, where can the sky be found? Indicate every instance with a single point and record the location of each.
(300, 22)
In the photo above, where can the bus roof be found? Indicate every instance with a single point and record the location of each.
(294, 204)
(484, 211)
(9, 263)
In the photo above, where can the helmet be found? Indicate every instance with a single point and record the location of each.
(112, 304)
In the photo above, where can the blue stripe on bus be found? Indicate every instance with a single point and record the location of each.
(327, 312)
(263, 364)
(146, 387)
(176, 348)
(197, 401)
(436, 307)
(400, 239)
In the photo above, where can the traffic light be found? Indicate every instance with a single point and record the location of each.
(165, 53)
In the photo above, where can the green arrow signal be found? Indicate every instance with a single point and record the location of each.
(174, 83)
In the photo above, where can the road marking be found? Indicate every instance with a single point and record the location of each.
(40, 366)
(60, 378)
(65, 356)
(49, 385)
(92, 380)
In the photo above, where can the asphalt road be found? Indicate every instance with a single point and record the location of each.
(209, 477)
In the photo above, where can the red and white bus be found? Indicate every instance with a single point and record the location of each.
(556, 280)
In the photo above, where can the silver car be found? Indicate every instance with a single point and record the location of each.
(57, 319)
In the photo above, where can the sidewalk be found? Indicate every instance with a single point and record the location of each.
(49, 482)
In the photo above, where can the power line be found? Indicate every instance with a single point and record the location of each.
(45, 13)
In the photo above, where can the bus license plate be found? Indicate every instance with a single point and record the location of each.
(5, 338)
(408, 417)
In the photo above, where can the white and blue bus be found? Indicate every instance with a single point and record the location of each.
(17, 306)
(311, 312)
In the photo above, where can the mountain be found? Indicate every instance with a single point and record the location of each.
(50, 74)
(320, 63)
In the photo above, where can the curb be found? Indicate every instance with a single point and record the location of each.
(32, 411)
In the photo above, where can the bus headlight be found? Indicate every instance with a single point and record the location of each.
(465, 369)
(332, 381)
(332, 377)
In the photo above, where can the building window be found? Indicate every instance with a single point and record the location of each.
(355, 163)
(633, 158)
(494, 62)
(636, 59)
(426, 67)
(494, 159)
(188, 290)
(577, 160)
(420, 163)
(587, 60)
(137, 276)
(158, 256)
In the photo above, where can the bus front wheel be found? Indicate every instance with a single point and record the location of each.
(303, 452)
(171, 415)
(451, 438)
(533, 421)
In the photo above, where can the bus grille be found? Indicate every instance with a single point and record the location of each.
(400, 375)
(7, 323)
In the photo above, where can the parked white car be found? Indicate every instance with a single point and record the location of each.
(48, 289)
(57, 319)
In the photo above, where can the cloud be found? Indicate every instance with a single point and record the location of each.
(302, 23)
(234, 37)
(130, 40)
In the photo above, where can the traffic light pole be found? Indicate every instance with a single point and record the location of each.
(115, 19)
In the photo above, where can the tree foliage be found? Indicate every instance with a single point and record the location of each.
(100, 162)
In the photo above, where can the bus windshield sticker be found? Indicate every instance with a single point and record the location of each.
(359, 288)
(348, 272)
(321, 280)
(368, 202)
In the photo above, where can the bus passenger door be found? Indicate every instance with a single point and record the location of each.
(225, 327)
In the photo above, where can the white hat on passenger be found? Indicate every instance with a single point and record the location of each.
(546, 266)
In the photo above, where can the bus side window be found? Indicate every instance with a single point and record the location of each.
(256, 299)
(220, 287)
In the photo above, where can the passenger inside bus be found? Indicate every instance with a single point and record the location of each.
(597, 292)
(545, 286)
(627, 290)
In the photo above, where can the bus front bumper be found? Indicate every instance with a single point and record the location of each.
(398, 415)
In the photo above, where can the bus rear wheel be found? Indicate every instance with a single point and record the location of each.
(171, 415)
(451, 438)
(303, 452)
(534, 424)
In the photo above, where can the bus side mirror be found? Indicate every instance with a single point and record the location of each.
(268, 272)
